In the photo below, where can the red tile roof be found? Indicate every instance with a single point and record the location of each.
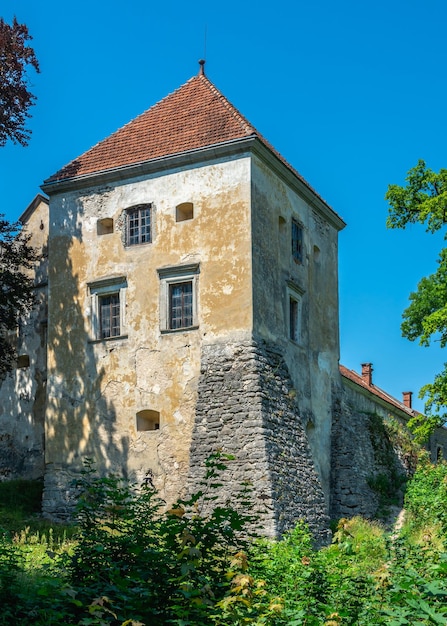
(193, 117)
(383, 395)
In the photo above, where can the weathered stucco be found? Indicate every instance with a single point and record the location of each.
(96, 388)
(312, 360)
(22, 392)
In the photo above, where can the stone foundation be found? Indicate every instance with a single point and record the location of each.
(362, 453)
(246, 407)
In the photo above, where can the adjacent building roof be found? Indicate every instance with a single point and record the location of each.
(194, 117)
(376, 391)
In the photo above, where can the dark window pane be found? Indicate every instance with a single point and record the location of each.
(139, 225)
(294, 319)
(297, 242)
(180, 305)
(109, 316)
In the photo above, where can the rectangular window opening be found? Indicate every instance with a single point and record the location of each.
(104, 226)
(180, 305)
(139, 225)
(297, 241)
(294, 331)
(108, 307)
(109, 316)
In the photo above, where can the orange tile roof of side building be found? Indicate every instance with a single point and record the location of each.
(379, 393)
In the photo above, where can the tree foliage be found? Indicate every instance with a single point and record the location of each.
(423, 200)
(16, 285)
(15, 98)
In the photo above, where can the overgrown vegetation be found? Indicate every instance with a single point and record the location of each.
(131, 562)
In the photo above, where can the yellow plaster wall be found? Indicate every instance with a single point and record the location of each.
(96, 388)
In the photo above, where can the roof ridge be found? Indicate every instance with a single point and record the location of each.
(230, 107)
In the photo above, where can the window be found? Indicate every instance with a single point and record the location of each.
(294, 294)
(148, 420)
(104, 226)
(138, 225)
(23, 361)
(109, 315)
(180, 305)
(297, 242)
(294, 319)
(108, 307)
(178, 297)
(184, 211)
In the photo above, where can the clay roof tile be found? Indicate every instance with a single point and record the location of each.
(193, 117)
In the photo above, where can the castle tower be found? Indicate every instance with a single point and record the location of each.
(193, 305)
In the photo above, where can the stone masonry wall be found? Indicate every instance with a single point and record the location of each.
(246, 407)
(363, 458)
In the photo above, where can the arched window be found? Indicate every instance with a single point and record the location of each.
(184, 211)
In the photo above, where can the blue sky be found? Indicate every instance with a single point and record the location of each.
(351, 93)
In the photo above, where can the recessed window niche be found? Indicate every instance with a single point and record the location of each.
(148, 420)
(184, 211)
(23, 361)
(104, 226)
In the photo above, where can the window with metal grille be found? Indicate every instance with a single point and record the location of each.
(139, 225)
(109, 315)
(297, 241)
(180, 305)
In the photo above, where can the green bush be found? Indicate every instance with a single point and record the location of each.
(134, 562)
(426, 495)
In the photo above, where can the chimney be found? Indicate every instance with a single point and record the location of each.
(406, 395)
(367, 371)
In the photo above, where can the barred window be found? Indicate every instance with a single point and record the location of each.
(107, 307)
(297, 241)
(138, 225)
(180, 305)
(179, 297)
(109, 316)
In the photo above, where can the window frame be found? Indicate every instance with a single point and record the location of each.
(170, 277)
(104, 288)
(295, 301)
(140, 237)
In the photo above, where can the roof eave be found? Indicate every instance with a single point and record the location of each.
(403, 411)
(298, 183)
(160, 164)
(38, 199)
(236, 147)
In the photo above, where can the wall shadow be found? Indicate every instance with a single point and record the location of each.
(80, 421)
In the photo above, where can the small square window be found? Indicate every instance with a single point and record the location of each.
(184, 211)
(297, 242)
(148, 420)
(104, 226)
(23, 361)
(138, 225)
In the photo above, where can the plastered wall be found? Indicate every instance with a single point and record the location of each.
(96, 388)
(22, 391)
(312, 359)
